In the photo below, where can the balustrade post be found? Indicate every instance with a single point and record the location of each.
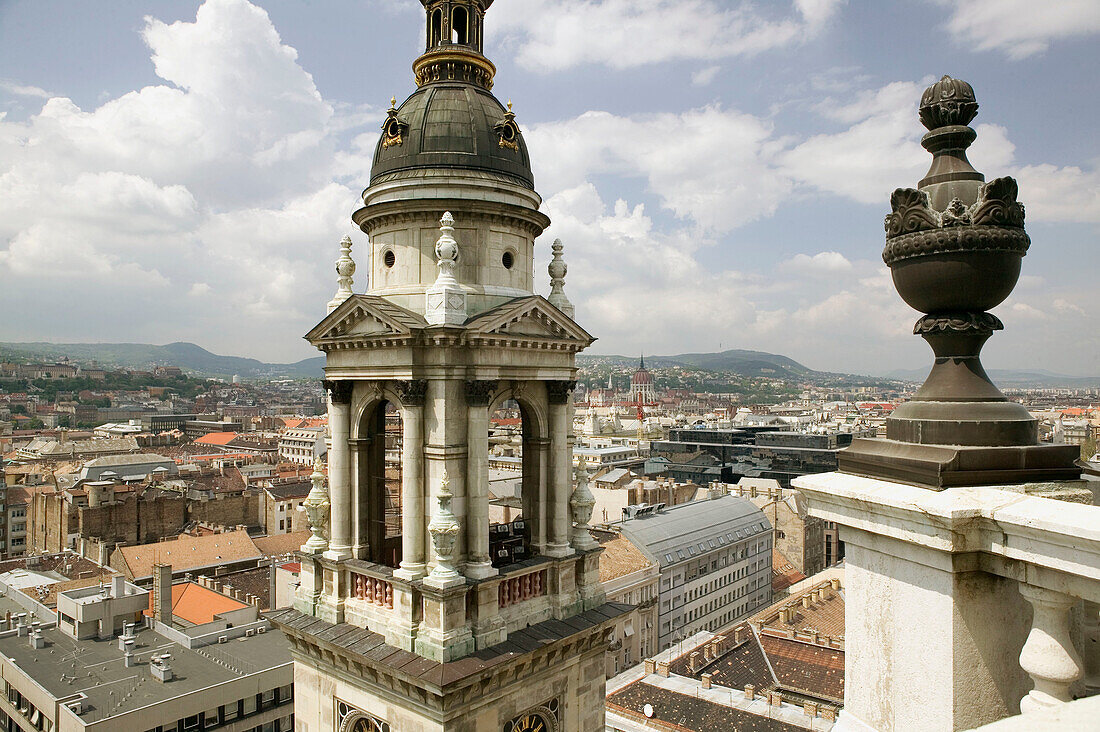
(1048, 655)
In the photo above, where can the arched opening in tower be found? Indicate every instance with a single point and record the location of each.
(517, 482)
(436, 28)
(377, 506)
(460, 26)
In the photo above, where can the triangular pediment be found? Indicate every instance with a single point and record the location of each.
(365, 316)
(529, 317)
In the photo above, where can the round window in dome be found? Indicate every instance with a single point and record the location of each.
(508, 260)
(389, 258)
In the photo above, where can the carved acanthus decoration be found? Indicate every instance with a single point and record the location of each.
(995, 222)
(413, 392)
(339, 390)
(958, 322)
(581, 502)
(444, 528)
(558, 392)
(478, 393)
(373, 392)
(345, 268)
(316, 507)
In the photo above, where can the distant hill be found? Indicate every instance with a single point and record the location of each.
(743, 363)
(189, 357)
(1013, 378)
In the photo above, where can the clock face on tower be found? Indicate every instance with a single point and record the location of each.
(531, 722)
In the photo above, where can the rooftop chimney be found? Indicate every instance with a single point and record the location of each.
(162, 593)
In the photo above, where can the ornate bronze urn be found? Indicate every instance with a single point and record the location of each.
(954, 247)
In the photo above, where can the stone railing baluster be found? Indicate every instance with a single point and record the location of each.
(1048, 655)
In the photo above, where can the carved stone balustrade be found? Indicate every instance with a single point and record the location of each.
(521, 588)
(372, 595)
(982, 598)
(375, 591)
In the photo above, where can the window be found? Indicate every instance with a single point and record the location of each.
(191, 722)
(249, 705)
(210, 718)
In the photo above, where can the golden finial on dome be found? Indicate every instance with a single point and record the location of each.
(509, 105)
(393, 102)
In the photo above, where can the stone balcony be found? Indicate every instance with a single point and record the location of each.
(964, 606)
(373, 597)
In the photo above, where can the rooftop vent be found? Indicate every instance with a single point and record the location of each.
(160, 667)
(76, 704)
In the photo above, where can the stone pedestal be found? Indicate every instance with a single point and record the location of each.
(309, 586)
(444, 635)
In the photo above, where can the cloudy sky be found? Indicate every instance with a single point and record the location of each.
(718, 170)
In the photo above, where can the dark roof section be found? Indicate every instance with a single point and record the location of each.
(683, 712)
(745, 664)
(805, 668)
(291, 489)
(452, 125)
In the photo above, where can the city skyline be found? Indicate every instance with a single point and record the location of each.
(718, 173)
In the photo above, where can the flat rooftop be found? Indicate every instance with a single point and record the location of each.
(95, 667)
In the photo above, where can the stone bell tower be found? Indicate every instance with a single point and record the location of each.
(419, 606)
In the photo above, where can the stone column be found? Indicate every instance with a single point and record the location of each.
(413, 543)
(561, 468)
(339, 468)
(478, 394)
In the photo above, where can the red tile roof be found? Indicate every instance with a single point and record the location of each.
(216, 438)
(197, 605)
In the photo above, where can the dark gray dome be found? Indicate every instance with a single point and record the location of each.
(452, 125)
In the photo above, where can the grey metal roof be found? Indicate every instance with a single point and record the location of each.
(450, 125)
(143, 458)
(714, 524)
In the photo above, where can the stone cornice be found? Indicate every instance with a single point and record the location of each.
(442, 686)
(1006, 532)
(449, 339)
(426, 210)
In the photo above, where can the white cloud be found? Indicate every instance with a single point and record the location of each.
(217, 184)
(820, 262)
(23, 90)
(710, 165)
(558, 34)
(1020, 28)
(705, 76)
(1054, 194)
(1065, 306)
